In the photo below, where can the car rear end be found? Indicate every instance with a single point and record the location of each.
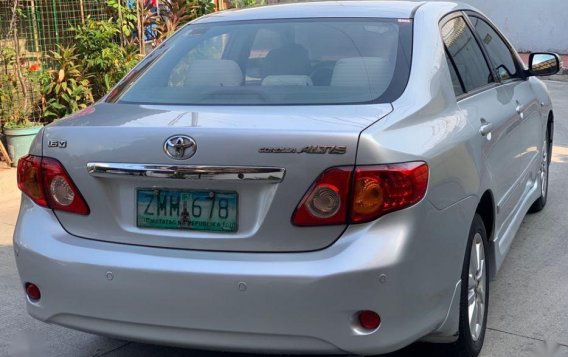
(214, 199)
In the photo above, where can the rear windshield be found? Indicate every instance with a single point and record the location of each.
(276, 62)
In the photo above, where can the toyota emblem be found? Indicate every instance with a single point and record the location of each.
(180, 147)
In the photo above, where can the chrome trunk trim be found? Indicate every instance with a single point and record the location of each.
(188, 172)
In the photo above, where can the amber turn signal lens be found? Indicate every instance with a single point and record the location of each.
(367, 196)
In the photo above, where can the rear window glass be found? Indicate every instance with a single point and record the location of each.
(276, 62)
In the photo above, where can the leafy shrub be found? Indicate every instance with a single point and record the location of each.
(104, 59)
(180, 12)
(65, 88)
(239, 4)
(15, 106)
(127, 19)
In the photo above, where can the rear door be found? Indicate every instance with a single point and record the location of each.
(510, 73)
(490, 109)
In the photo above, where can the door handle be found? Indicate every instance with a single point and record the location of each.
(520, 110)
(485, 129)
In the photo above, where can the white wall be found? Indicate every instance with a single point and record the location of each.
(531, 25)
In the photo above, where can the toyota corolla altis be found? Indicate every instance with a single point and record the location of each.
(307, 178)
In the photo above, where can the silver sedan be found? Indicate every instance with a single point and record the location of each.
(307, 178)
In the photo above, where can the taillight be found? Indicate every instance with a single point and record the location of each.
(343, 195)
(327, 200)
(29, 181)
(378, 190)
(47, 183)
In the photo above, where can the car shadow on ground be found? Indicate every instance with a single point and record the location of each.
(143, 350)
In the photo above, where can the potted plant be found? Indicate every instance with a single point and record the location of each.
(15, 105)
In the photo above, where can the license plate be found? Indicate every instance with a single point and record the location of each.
(187, 210)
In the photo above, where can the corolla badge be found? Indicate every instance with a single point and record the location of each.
(180, 147)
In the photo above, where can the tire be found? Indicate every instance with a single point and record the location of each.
(539, 204)
(474, 294)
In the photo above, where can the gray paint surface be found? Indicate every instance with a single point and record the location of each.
(530, 25)
(527, 306)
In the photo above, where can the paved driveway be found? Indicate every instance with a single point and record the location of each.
(528, 305)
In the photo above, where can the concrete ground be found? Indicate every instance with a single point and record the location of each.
(528, 312)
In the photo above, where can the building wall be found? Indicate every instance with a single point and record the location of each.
(531, 25)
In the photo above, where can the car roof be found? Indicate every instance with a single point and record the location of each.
(383, 9)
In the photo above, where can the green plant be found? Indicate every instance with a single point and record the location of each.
(65, 88)
(125, 15)
(15, 101)
(12, 113)
(202, 7)
(180, 12)
(15, 110)
(239, 4)
(105, 60)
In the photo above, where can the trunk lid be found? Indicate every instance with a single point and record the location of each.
(299, 140)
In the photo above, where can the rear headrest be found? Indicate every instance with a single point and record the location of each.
(371, 72)
(303, 81)
(289, 59)
(214, 72)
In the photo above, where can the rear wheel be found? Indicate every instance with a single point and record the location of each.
(474, 293)
(539, 204)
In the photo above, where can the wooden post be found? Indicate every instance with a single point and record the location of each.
(55, 21)
(34, 29)
(19, 75)
(82, 6)
(4, 153)
(140, 16)
(121, 22)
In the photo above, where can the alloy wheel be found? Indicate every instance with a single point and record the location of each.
(544, 169)
(476, 291)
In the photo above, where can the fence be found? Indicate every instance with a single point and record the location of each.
(29, 34)
(41, 25)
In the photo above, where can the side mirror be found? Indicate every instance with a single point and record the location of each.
(544, 64)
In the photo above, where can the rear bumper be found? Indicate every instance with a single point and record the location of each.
(292, 303)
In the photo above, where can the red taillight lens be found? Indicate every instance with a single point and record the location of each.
(336, 198)
(386, 188)
(61, 192)
(47, 183)
(29, 180)
(326, 201)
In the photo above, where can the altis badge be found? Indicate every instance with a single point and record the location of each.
(311, 149)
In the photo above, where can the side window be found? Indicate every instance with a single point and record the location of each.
(498, 51)
(466, 54)
(458, 88)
